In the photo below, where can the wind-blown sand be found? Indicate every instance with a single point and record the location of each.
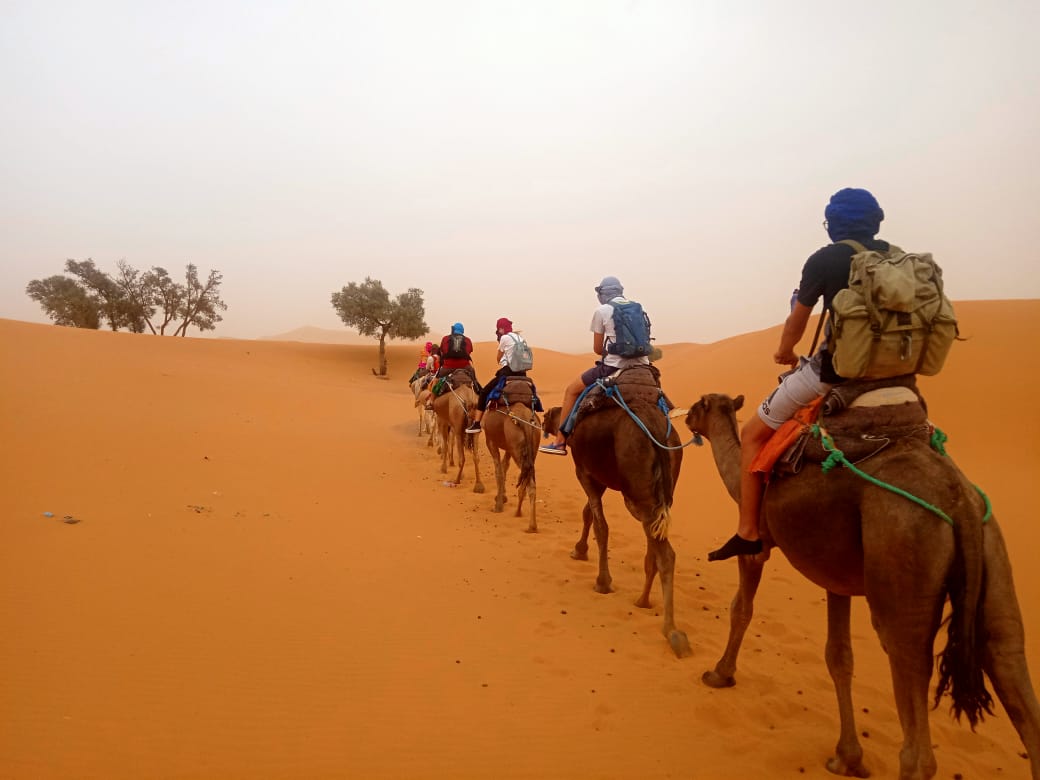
(270, 581)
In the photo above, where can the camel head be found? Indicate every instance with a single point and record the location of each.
(707, 411)
(551, 423)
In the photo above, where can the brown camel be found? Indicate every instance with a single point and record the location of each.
(452, 408)
(854, 538)
(511, 433)
(426, 418)
(610, 450)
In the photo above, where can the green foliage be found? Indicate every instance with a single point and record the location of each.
(87, 296)
(368, 308)
(65, 302)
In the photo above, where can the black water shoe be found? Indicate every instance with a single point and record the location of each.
(738, 545)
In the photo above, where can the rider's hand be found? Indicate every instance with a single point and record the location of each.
(787, 358)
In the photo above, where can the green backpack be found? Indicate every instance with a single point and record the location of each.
(893, 318)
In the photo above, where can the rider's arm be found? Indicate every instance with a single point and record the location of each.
(597, 343)
(794, 329)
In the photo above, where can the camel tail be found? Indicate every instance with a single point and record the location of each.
(960, 666)
(526, 464)
(662, 489)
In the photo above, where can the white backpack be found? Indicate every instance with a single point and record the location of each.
(520, 359)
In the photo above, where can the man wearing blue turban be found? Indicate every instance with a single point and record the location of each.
(851, 215)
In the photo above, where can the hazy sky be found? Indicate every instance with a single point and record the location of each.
(504, 156)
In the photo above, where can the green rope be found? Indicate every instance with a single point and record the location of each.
(837, 457)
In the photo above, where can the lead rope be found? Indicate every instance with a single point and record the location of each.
(837, 457)
(615, 394)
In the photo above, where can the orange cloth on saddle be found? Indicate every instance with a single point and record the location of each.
(784, 436)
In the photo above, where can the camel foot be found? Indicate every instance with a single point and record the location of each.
(531, 529)
(715, 680)
(680, 643)
(643, 602)
(838, 767)
(579, 555)
(498, 506)
(478, 488)
(602, 588)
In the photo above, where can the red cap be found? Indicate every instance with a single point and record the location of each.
(504, 325)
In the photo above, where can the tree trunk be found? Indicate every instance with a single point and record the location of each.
(382, 353)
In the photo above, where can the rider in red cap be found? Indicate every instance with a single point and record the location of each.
(507, 341)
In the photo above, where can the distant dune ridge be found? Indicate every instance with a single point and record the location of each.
(267, 578)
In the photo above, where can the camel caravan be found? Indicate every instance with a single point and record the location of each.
(853, 485)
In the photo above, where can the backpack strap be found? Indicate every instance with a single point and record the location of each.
(854, 244)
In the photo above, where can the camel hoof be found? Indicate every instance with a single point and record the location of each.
(603, 588)
(478, 488)
(531, 529)
(715, 680)
(836, 766)
(579, 555)
(680, 643)
(642, 603)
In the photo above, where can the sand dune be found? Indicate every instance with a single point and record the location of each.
(268, 580)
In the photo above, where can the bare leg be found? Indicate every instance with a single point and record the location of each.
(753, 437)
(570, 396)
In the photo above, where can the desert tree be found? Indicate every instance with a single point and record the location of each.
(201, 302)
(130, 299)
(65, 302)
(368, 308)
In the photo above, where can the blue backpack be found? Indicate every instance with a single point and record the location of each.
(631, 331)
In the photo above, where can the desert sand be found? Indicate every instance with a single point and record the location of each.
(268, 579)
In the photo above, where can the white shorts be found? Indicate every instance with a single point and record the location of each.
(799, 387)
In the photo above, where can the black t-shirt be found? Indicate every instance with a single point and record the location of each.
(825, 273)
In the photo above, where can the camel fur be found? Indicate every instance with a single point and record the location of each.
(611, 451)
(511, 434)
(452, 408)
(854, 538)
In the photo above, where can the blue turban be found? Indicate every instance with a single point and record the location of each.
(853, 213)
(457, 328)
(609, 288)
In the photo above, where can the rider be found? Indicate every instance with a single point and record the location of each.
(456, 352)
(602, 328)
(850, 214)
(507, 341)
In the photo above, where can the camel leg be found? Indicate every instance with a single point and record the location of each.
(594, 492)
(581, 547)
(664, 555)
(471, 438)
(1003, 656)
(458, 438)
(650, 570)
(848, 758)
(740, 611)
(500, 475)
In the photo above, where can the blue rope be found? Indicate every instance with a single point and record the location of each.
(614, 393)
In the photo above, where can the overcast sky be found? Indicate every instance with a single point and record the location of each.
(504, 156)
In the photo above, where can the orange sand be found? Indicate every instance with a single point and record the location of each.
(269, 581)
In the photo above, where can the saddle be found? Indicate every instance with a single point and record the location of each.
(860, 417)
(460, 377)
(511, 390)
(635, 385)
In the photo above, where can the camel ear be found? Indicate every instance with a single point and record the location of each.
(738, 402)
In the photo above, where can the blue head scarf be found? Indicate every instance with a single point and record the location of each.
(457, 328)
(853, 213)
(609, 289)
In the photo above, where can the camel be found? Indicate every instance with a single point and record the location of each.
(452, 408)
(611, 451)
(511, 433)
(854, 538)
(426, 417)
